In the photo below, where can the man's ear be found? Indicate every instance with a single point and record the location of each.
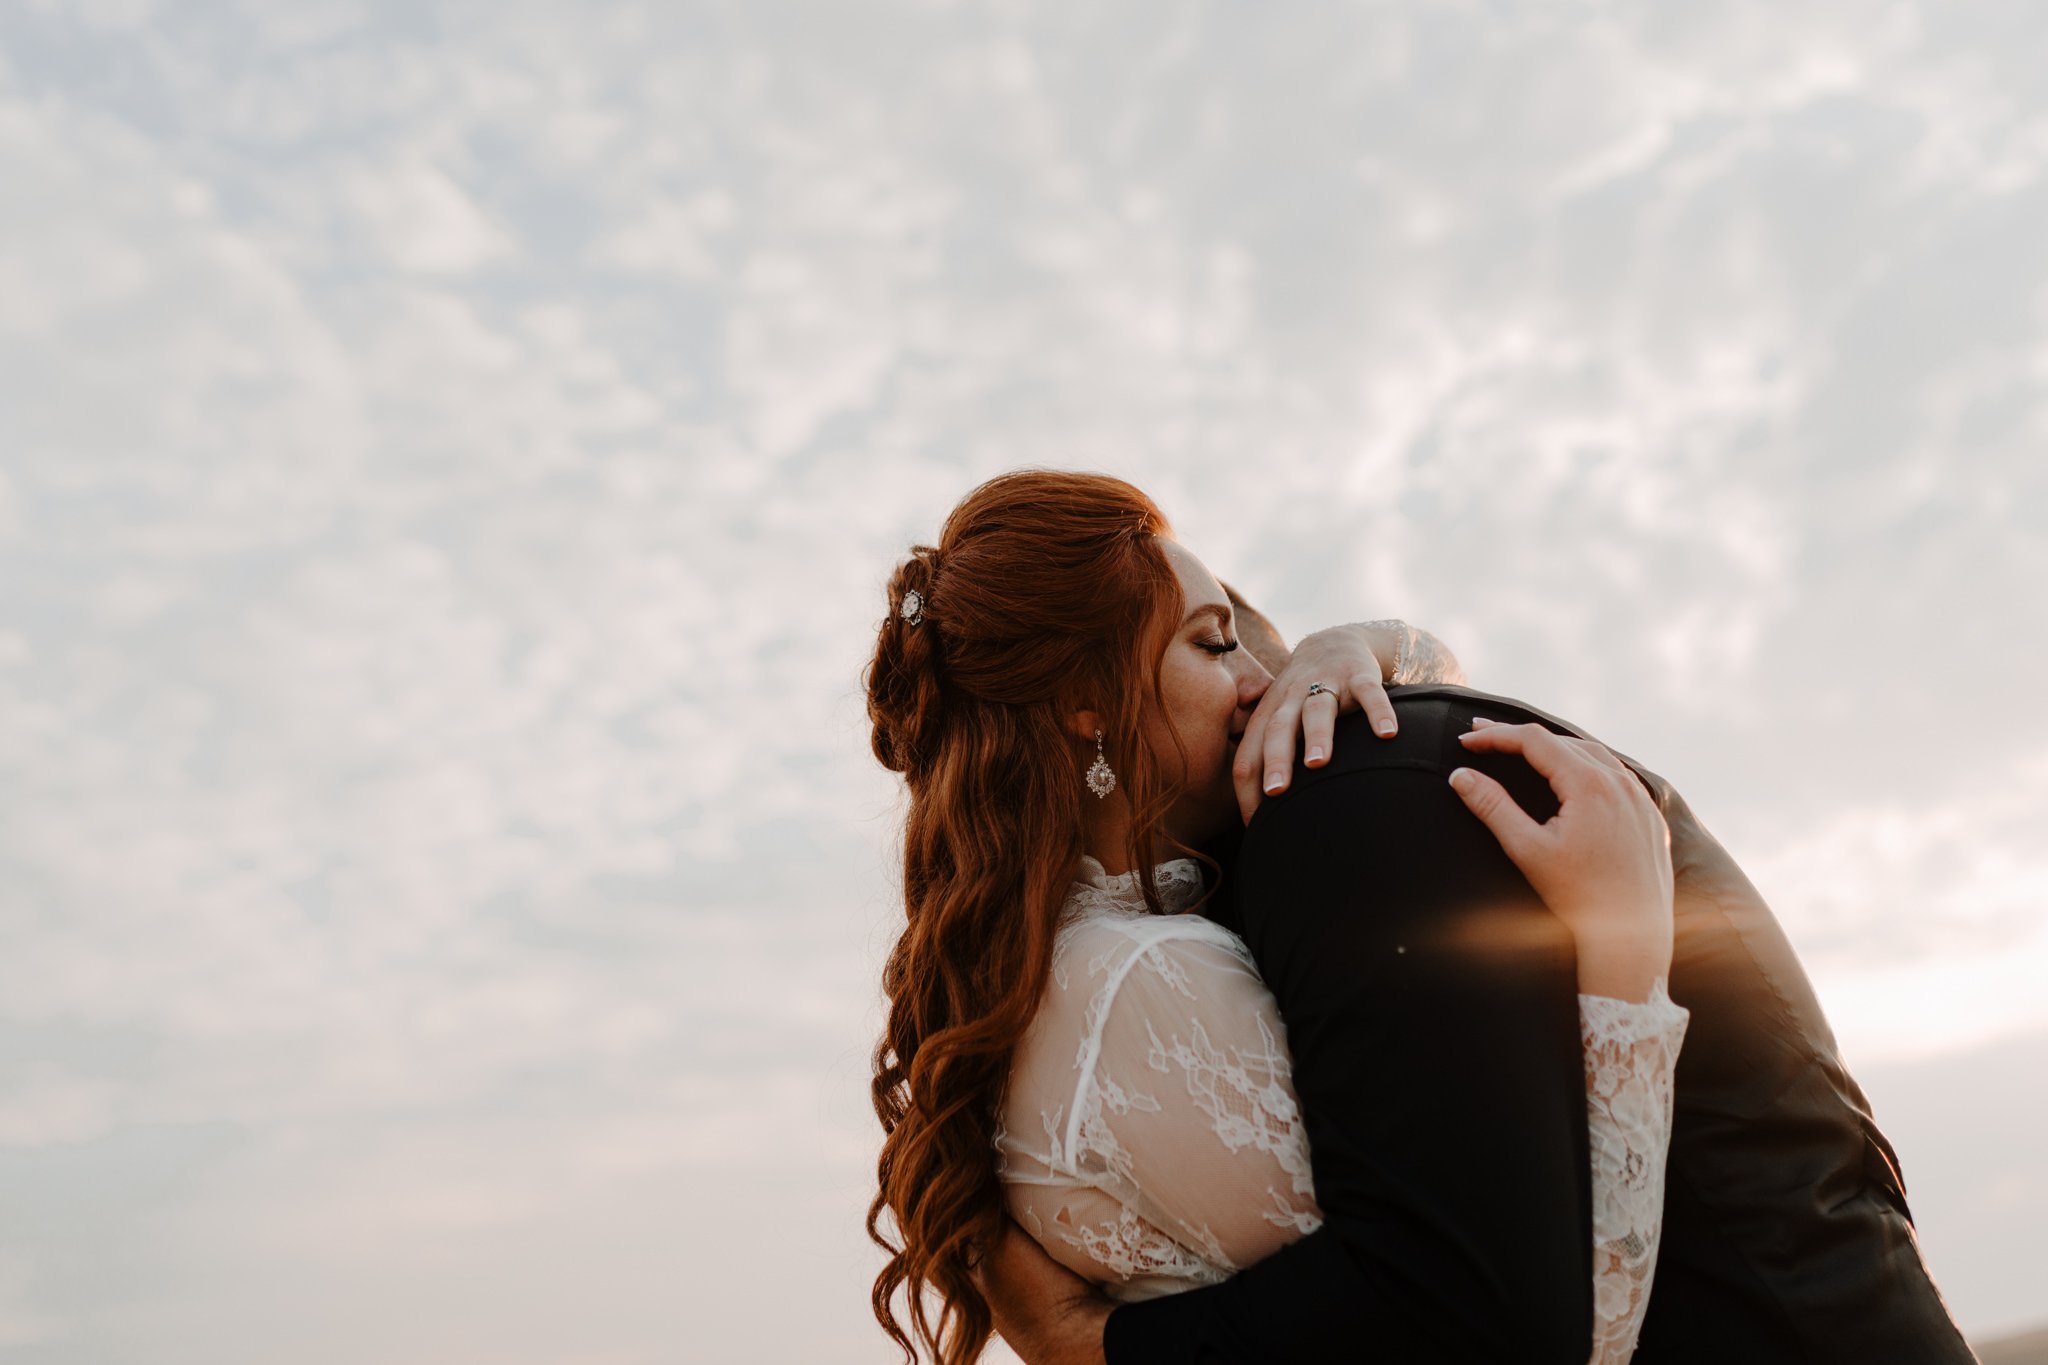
(1084, 724)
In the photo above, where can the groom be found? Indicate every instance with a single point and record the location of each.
(1433, 1021)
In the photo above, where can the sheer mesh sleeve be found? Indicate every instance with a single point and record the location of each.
(1631, 1051)
(1151, 1139)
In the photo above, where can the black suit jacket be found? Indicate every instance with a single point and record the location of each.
(1430, 1004)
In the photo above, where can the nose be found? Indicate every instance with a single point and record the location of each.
(1252, 681)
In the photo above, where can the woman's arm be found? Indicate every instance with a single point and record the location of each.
(1412, 655)
(1151, 1139)
(1151, 1143)
(1354, 664)
(1631, 1055)
(1602, 864)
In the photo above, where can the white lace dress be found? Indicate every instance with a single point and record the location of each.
(1150, 1138)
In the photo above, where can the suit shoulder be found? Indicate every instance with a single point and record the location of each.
(1460, 704)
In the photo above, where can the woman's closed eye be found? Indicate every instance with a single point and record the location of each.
(1219, 647)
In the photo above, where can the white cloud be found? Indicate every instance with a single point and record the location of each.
(672, 238)
(1922, 922)
(426, 221)
(21, 1322)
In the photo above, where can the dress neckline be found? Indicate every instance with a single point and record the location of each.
(1179, 881)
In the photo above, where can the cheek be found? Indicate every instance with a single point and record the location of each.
(1192, 699)
(1200, 701)
(1205, 720)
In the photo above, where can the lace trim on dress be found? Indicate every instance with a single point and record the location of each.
(1179, 882)
(1130, 1247)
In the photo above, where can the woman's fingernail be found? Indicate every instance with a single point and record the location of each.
(1478, 721)
(1315, 755)
(1274, 782)
(1461, 778)
(1386, 727)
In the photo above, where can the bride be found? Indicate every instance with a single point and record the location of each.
(1061, 687)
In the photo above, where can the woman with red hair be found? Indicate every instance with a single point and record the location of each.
(1060, 684)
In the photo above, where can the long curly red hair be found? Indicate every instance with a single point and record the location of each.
(1047, 593)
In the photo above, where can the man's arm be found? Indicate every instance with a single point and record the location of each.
(1051, 1316)
(1047, 1313)
(1431, 1008)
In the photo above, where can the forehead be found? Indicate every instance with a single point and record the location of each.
(1197, 584)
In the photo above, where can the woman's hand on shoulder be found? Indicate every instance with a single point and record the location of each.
(1348, 663)
(1602, 863)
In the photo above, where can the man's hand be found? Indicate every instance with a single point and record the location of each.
(1048, 1314)
(1344, 660)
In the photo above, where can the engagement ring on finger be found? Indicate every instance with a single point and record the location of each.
(1316, 689)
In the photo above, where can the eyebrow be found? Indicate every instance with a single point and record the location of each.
(1215, 609)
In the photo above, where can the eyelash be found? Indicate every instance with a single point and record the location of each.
(1220, 650)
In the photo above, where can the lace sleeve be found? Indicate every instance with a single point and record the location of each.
(1631, 1051)
(1169, 1151)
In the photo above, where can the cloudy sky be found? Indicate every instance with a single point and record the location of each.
(450, 455)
